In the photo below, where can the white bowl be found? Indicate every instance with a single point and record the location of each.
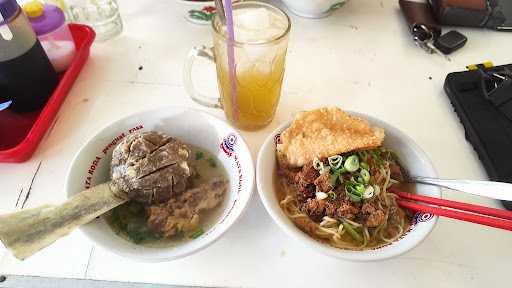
(92, 165)
(198, 12)
(411, 157)
(313, 8)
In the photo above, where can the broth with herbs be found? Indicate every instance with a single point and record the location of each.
(171, 223)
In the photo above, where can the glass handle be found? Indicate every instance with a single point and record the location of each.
(195, 53)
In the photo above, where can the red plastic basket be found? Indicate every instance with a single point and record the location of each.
(20, 133)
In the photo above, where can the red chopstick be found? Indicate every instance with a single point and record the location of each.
(500, 218)
(498, 213)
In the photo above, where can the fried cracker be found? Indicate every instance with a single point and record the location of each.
(325, 132)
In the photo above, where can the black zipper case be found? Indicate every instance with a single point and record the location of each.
(487, 127)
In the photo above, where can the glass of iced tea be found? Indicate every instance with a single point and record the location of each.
(261, 40)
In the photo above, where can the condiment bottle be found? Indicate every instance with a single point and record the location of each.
(49, 23)
(27, 78)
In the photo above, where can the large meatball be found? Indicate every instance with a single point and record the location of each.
(150, 167)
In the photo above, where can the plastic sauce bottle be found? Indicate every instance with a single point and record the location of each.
(27, 78)
(49, 23)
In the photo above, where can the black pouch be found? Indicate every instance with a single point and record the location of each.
(487, 128)
(493, 14)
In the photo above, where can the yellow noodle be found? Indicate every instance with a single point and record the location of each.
(332, 229)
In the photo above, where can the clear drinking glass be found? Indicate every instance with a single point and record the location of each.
(260, 65)
(102, 15)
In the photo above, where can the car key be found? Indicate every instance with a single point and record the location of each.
(425, 39)
(450, 42)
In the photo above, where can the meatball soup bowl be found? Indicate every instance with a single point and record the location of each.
(91, 166)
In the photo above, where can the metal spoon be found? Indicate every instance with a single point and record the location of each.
(490, 189)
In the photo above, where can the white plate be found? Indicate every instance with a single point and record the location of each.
(91, 166)
(314, 8)
(198, 12)
(411, 157)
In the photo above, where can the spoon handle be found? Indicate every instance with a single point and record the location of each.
(490, 189)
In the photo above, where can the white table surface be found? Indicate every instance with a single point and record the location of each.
(361, 58)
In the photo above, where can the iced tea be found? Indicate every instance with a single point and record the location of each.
(261, 40)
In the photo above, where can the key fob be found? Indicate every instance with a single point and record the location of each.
(450, 42)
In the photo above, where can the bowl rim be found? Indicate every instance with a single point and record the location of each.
(323, 248)
(171, 255)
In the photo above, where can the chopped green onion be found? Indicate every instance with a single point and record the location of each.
(354, 191)
(364, 165)
(363, 155)
(352, 232)
(319, 166)
(198, 233)
(376, 157)
(212, 162)
(334, 177)
(336, 174)
(354, 198)
(136, 236)
(350, 186)
(331, 195)
(369, 192)
(199, 155)
(135, 208)
(352, 163)
(360, 188)
(365, 175)
(335, 161)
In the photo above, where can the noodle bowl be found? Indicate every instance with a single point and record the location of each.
(329, 236)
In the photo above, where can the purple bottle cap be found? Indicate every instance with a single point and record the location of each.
(51, 19)
(8, 8)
